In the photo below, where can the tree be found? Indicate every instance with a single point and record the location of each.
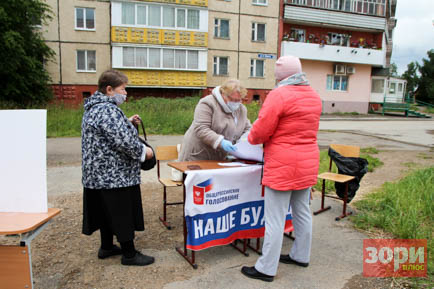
(425, 91)
(23, 52)
(393, 70)
(411, 76)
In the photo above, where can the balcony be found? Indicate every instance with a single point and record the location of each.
(334, 53)
(368, 7)
(328, 18)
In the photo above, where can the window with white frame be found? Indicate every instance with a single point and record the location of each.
(400, 87)
(377, 85)
(193, 19)
(159, 16)
(260, 2)
(85, 18)
(337, 82)
(256, 68)
(220, 65)
(128, 13)
(221, 28)
(165, 58)
(258, 31)
(392, 87)
(86, 60)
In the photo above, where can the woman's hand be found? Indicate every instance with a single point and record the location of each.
(135, 119)
(149, 153)
(228, 146)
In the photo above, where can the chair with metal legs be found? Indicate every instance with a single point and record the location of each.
(166, 153)
(346, 151)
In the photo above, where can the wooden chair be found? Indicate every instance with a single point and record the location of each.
(346, 151)
(166, 153)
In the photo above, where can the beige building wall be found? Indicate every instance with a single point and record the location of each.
(215, 80)
(266, 82)
(269, 10)
(50, 31)
(68, 33)
(64, 39)
(224, 6)
(69, 63)
(240, 48)
(230, 43)
(270, 43)
(52, 65)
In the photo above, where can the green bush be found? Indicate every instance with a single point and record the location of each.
(160, 115)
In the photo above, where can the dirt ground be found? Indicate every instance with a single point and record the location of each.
(64, 258)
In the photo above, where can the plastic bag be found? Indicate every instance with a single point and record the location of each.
(350, 166)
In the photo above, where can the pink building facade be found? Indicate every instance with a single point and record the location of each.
(341, 43)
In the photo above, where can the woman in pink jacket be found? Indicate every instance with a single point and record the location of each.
(287, 125)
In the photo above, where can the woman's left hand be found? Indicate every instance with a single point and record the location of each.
(135, 119)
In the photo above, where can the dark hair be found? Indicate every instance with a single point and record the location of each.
(111, 78)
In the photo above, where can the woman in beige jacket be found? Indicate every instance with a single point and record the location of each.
(220, 119)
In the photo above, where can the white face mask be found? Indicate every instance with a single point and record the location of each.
(119, 98)
(233, 105)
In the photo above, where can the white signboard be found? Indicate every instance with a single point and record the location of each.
(23, 161)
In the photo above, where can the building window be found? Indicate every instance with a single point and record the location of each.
(337, 82)
(260, 2)
(399, 87)
(160, 16)
(221, 28)
(154, 15)
(86, 61)
(193, 19)
(128, 13)
(166, 58)
(256, 68)
(377, 86)
(392, 88)
(258, 32)
(220, 65)
(297, 35)
(168, 16)
(85, 18)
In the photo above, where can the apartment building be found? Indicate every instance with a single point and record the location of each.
(161, 46)
(242, 44)
(79, 34)
(342, 44)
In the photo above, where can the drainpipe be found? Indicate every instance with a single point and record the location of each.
(60, 50)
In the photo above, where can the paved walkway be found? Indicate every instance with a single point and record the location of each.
(337, 254)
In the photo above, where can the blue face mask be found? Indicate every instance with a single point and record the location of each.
(233, 106)
(119, 98)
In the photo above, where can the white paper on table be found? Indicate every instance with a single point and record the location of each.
(247, 151)
(232, 164)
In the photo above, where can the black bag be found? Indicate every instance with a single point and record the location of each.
(148, 163)
(356, 167)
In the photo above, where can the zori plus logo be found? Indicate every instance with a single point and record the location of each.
(199, 191)
(395, 257)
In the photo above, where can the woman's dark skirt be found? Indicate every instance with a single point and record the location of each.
(118, 209)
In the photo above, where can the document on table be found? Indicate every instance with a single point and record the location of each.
(246, 151)
(233, 164)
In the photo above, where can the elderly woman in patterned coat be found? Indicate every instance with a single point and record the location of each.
(111, 156)
(220, 119)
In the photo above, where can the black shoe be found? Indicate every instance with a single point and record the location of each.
(251, 272)
(103, 253)
(287, 260)
(138, 260)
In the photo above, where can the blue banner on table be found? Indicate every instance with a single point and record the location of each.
(224, 205)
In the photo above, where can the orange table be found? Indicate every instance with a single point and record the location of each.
(16, 261)
(202, 165)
